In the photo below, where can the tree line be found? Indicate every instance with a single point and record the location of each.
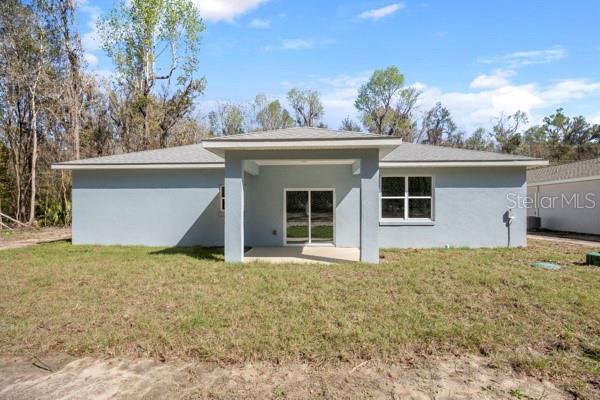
(386, 107)
(52, 108)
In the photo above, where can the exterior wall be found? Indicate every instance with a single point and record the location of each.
(532, 193)
(265, 201)
(181, 207)
(558, 211)
(469, 209)
(147, 207)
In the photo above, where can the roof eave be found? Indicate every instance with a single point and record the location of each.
(120, 166)
(219, 147)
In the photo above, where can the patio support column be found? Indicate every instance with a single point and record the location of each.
(234, 208)
(369, 206)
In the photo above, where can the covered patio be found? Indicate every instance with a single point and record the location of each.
(303, 254)
(279, 190)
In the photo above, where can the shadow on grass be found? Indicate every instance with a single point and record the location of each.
(196, 252)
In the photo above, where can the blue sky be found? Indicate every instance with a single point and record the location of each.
(479, 58)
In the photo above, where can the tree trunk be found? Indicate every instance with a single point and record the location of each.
(76, 128)
(17, 183)
(66, 10)
(33, 160)
(146, 140)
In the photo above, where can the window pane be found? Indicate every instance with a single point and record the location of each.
(392, 208)
(222, 191)
(392, 186)
(419, 186)
(419, 208)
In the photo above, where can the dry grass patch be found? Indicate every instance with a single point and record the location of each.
(187, 303)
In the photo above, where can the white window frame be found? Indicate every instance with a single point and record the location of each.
(222, 198)
(406, 197)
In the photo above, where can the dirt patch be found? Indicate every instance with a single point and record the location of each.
(29, 237)
(455, 378)
(579, 239)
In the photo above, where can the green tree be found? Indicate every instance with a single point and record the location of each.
(228, 119)
(562, 138)
(307, 106)
(478, 141)
(402, 122)
(138, 34)
(270, 114)
(375, 98)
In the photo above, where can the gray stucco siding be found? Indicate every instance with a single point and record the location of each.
(264, 204)
(469, 209)
(147, 207)
(181, 207)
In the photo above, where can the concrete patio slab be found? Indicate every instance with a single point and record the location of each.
(308, 254)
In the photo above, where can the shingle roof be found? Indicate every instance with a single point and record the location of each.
(299, 133)
(411, 152)
(197, 154)
(191, 154)
(579, 169)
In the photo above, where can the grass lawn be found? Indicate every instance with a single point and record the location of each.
(186, 303)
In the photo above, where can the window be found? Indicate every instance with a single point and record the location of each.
(222, 198)
(406, 197)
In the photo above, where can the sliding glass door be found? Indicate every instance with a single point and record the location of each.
(309, 216)
(297, 217)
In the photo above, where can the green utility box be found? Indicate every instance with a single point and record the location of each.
(593, 259)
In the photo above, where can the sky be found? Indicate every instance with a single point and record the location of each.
(478, 58)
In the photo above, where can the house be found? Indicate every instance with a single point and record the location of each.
(566, 197)
(300, 186)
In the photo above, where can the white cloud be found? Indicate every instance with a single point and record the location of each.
(570, 89)
(103, 74)
(91, 39)
(595, 119)
(476, 108)
(258, 23)
(300, 44)
(91, 59)
(378, 13)
(471, 108)
(225, 10)
(529, 57)
(297, 44)
(497, 79)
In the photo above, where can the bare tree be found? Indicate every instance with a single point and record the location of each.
(437, 125)
(74, 90)
(307, 106)
(349, 125)
(506, 131)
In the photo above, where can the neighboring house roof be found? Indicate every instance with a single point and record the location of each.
(576, 171)
(398, 154)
